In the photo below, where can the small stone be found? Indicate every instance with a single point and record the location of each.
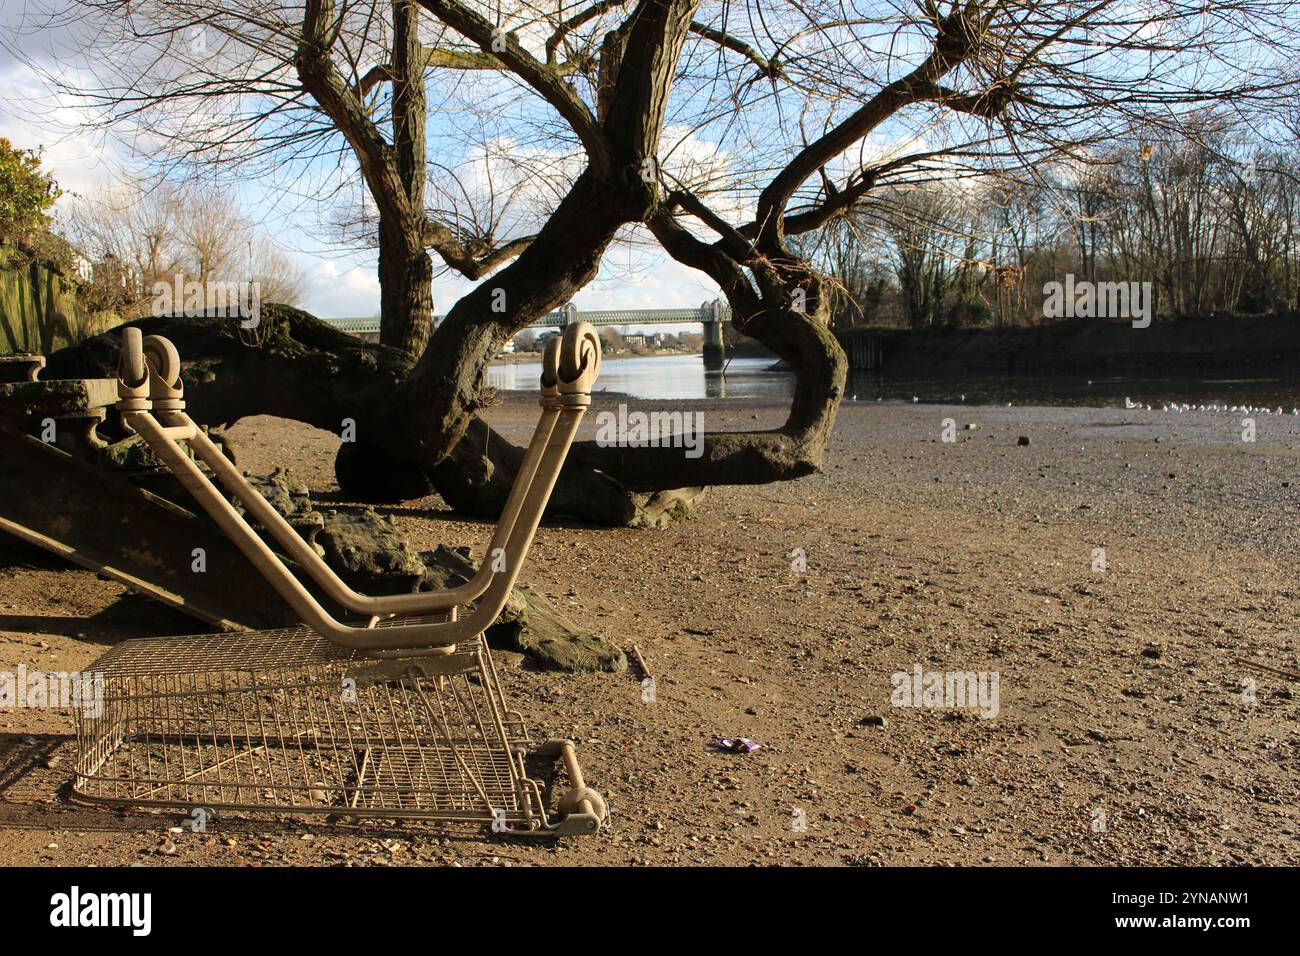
(1023, 441)
(873, 720)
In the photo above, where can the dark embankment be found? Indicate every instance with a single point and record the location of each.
(1193, 347)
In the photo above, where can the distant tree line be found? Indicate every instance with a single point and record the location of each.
(137, 237)
(1211, 220)
(100, 258)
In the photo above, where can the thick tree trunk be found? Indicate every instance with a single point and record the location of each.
(394, 172)
(440, 398)
(405, 269)
(307, 371)
(748, 458)
(405, 293)
(476, 478)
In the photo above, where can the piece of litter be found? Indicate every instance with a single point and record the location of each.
(735, 745)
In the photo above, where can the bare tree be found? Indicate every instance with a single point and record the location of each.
(140, 238)
(135, 229)
(619, 100)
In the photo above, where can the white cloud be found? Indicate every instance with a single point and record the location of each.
(337, 289)
(31, 117)
(345, 286)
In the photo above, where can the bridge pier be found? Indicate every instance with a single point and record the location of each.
(715, 352)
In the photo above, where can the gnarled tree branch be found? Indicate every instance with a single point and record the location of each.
(769, 67)
(956, 39)
(578, 19)
(495, 41)
(471, 259)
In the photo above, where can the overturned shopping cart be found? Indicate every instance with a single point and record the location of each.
(397, 714)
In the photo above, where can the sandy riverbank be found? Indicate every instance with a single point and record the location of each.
(1121, 699)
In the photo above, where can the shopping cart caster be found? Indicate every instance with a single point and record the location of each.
(582, 809)
(572, 803)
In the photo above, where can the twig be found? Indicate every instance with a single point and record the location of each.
(640, 662)
(1264, 667)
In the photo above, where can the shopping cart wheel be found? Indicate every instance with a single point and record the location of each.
(572, 801)
(131, 362)
(163, 358)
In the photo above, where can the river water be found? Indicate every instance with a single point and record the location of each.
(665, 377)
(684, 377)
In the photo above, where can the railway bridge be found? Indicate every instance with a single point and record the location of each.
(710, 315)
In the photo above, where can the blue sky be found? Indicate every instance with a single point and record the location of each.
(339, 281)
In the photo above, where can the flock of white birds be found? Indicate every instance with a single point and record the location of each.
(1174, 407)
(1184, 407)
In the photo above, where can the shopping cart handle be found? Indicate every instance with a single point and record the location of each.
(570, 366)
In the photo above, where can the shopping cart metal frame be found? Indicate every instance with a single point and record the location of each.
(400, 714)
